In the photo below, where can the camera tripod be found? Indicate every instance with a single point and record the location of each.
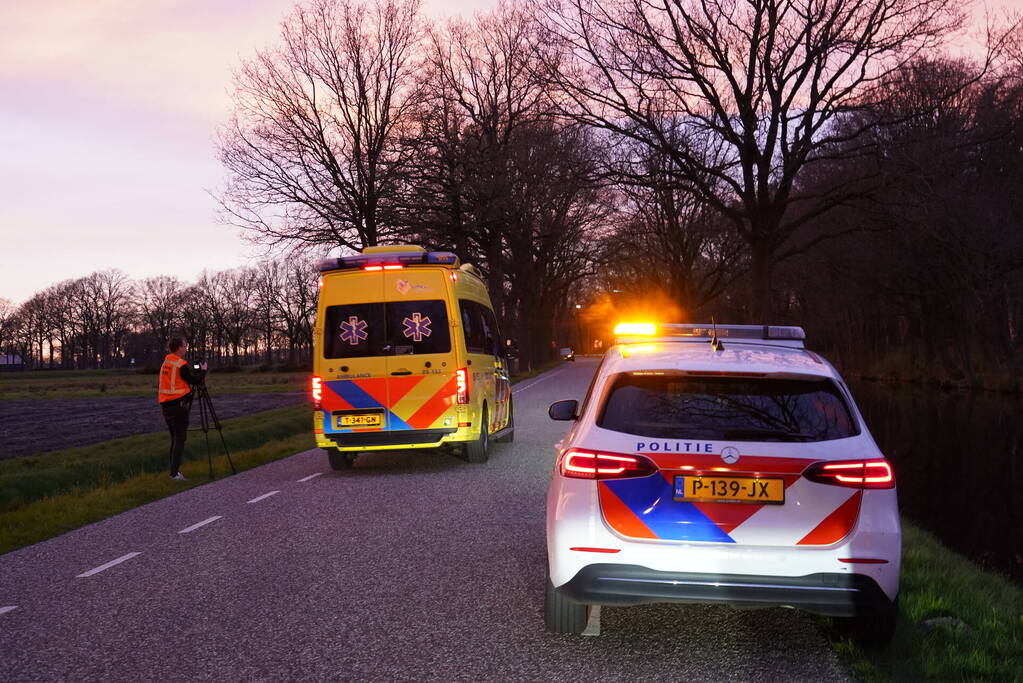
(207, 419)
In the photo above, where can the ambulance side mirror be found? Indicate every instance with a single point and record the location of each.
(564, 410)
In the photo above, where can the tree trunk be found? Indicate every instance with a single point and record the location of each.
(763, 267)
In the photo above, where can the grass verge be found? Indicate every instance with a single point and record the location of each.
(958, 622)
(79, 506)
(25, 480)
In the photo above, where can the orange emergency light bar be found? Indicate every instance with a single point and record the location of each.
(640, 333)
(636, 329)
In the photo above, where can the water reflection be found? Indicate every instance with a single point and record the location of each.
(957, 459)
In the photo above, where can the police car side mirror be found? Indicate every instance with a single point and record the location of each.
(564, 410)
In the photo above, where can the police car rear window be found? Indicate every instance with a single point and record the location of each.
(396, 328)
(675, 406)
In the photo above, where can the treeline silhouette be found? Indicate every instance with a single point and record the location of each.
(243, 316)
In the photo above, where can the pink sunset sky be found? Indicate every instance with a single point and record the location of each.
(108, 112)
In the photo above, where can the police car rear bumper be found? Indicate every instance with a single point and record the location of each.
(836, 595)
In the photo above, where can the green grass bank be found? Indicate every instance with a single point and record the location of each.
(958, 622)
(80, 505)
(26, 480)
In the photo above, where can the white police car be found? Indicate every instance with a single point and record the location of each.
(723, 465)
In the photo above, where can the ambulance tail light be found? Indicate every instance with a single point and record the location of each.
(855, 474)
(462, 386)
(317, 392)
(583, 464)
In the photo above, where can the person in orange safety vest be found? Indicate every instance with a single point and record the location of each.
(176, 379)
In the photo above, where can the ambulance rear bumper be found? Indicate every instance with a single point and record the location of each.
(829, 594)
(395, 439)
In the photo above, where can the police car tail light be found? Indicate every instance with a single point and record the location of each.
(317, 391)
(857, 474)
(462, 386)
(593, 465)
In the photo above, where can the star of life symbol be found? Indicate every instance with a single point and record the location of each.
(730, 455)
(416, 327)
(353, 331)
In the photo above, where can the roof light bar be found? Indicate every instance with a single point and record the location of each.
(636, 329)
(389, 259)
(638, 333)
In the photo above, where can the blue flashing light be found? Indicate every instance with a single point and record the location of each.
(441, 258)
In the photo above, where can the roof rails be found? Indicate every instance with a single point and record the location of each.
(393, 255)
(773, 335)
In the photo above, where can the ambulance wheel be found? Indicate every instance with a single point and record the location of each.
(509, 430)
(562, 614)
(339, 460)
(476, 451)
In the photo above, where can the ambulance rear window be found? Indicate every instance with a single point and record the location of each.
(675, 406)
(397, 328)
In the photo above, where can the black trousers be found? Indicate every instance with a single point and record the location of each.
(175, 413)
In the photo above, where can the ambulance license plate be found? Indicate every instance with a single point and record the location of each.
(761, 490)
(365, 420)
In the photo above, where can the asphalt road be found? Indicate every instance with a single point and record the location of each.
(408, 567)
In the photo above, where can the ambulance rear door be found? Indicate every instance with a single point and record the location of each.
(354, 346)
(421, 361)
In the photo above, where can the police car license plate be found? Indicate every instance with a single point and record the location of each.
(366, 420)
(759, 490)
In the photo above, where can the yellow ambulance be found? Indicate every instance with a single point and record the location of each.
(407, 355)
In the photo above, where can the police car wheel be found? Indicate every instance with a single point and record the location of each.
(872, 630)
(476, 451)
(561, 614)
(509, 431)
(340, 461)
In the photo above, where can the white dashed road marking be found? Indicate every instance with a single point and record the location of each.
(265, 495)
(8, 608)
(311, 476)
(189, 529)
(108, 565)
(520, 388)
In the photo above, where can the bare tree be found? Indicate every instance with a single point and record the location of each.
(482, 89)
(561, 214)
(670, 240)
(296, 306)
(312, 149)
(268, 291)
(740, 95)
(7, 320)
(160, 300)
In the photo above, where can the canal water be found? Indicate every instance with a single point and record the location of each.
(957, 459)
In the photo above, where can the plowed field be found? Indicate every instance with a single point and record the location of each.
(29, 427)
